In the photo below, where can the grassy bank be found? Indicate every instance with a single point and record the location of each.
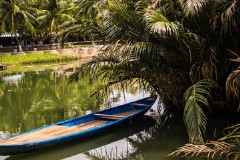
(29, 59)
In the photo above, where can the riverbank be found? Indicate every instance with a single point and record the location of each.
(13, 59)
(83, 51)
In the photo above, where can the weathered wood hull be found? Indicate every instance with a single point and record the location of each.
(75, 129)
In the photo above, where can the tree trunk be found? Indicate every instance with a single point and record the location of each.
(18, 42)
(20, 48)
(84, 38)
(62, 43)
(92, 40)
(45, 36)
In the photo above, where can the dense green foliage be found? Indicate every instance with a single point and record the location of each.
(173, 47)
(187, 51)
(16, 19)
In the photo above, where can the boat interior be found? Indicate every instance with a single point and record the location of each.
(79, 124)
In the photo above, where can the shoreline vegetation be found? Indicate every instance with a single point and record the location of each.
(48, 56)
(29, 59)
(187, 52)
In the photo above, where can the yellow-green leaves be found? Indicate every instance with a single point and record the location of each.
(159, 23)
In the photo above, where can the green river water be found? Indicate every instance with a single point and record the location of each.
(31, 99)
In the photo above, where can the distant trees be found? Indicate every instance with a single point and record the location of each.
(52, 14)
(15, 18)
(87, 20)
(45, 19)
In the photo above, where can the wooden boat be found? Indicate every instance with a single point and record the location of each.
(76, 128)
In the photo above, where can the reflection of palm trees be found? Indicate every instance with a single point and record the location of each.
(53, 99)
(53, 13)
(157, 139)
(41, 99)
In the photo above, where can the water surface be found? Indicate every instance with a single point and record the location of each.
(32, 99)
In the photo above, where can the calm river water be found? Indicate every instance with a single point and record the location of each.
(34, 98)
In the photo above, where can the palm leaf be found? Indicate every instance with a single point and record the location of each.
(196, 96)
(16, 9)
(3, 24)
(192, 46)
(233, 84)
(192, 7)
(227, 147)
(230, 19)
(159, 23)
(211, 150)
(28, 23)
(122, 22)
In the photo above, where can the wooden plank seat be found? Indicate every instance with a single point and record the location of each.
(127, 113)
(139, 104)
(108, 116)
(151, 99)
(52, 132)
(116, 116)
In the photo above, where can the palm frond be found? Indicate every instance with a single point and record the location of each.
(93, 65)
(4, 24)
(30, 16)
(233, 83)
(192, 46)
(28, 23)
(159, 23)
(196, 96)
(121, 22)
(192, 7)
(227, 147)
(141, 6)
(16, 9)
(211, 150)
(124, 63)
(229, 17)
(65, 17)
(204, 69)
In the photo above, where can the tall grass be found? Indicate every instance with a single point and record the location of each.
(37, 59)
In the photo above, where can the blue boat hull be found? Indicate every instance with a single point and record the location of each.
(25, 147)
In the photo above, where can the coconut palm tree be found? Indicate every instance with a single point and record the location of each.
(86, 22)
(52, 13)
(16, 19)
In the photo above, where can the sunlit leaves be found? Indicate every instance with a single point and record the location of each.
(159, 23)
(51, 14)
(211, 150)
(15, 16)
(192, 7)
(121, 22)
